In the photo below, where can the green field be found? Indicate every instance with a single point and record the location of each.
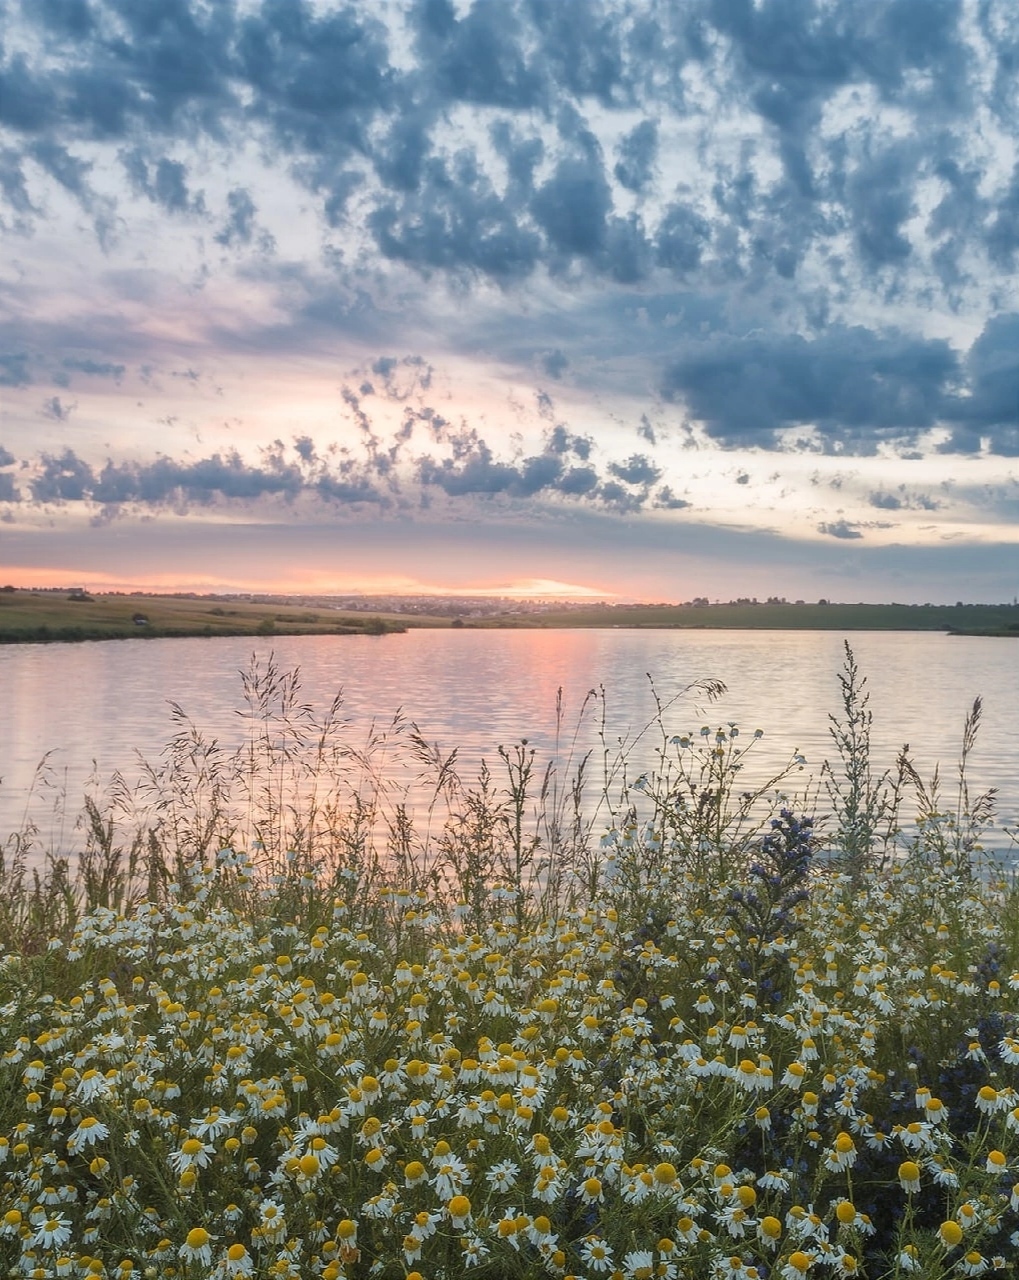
(40, 616)
(971, 619)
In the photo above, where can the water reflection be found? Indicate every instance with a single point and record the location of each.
(99, 707)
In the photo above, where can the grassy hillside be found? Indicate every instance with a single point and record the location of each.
(45, 615)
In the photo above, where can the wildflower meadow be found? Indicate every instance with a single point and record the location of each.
(566, 1023)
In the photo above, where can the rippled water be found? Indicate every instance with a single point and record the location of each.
(96, 706)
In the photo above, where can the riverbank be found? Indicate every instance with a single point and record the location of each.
(39, 617)
(44, 616)
(959, 619)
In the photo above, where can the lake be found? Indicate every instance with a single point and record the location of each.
(97, 707)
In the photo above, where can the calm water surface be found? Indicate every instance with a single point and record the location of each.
(97, 706)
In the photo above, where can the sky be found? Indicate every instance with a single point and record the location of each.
(637, 300)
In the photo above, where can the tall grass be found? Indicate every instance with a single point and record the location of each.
(314, 1008)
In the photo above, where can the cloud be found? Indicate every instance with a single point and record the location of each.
(95, 368)
(902, 500)
(637, 152)
(165, 182)
(480, 58)
(240, 224)
(453, 221)
(357, 106)
(839, 529)
(853, 386)
(1003, 230)
(638, 469)
(572, 207)
(991, 410)
(378, 472)
(770, 225)
(885, 501)
(14, 369)
(69, 171)
(555, 363)
(666, 500)
(683, 236)
(66, 478)
(55, 409)
(162, 483)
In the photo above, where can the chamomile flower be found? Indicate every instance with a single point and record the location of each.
(503, 1176)
(90, 1130)
(237, 1261)
(197, 1247)
(193, 1153)
(52, 1232)
(596, 1254)
(842, 1154)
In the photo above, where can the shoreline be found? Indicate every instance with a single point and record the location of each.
(45, 617)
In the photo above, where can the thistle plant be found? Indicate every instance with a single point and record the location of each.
(765, 906)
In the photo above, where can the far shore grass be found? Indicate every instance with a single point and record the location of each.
(45, 616)
(28, 616)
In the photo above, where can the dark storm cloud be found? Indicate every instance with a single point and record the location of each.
(128, 66)
(879, 199)
(318, 81)
(885, 501)
(72, 18)
(474, 469)
(560, 441)
(572, 207)
(683, 236)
